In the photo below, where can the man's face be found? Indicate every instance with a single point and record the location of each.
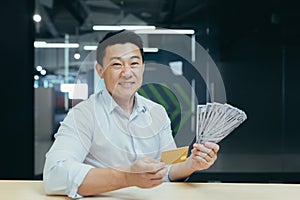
(122, 70)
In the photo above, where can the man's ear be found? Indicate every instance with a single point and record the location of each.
(143, 67)
(99, 69)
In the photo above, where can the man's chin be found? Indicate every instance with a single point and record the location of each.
(125, 93)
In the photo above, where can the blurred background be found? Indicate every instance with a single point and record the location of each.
(249, 49)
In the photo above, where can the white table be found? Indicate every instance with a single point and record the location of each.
(33, 190)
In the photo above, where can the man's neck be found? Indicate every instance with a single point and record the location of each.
(126, 104)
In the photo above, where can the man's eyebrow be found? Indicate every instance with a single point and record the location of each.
(115, 58)
(138, 57)
(119, 58)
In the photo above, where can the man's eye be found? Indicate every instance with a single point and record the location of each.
(135, 63)
(116, 64)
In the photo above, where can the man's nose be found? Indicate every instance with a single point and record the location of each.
(126, 70)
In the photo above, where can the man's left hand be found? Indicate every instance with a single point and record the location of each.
(203, 155)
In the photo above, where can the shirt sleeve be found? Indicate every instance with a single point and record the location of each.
(64, 170)
(166, 178)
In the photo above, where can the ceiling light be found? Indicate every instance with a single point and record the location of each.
(39, 68)
(36, 77)
(152, 50)
(37, 18)
(43, 44)
(90, 47)
(43, 72)
(121, 27)
(77, 55)
(94, 47)
(166, 31)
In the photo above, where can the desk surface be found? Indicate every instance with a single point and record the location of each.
(31, 190)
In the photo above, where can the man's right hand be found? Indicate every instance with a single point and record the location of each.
(146, 173)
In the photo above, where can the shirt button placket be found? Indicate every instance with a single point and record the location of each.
(134, 150)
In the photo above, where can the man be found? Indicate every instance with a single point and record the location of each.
(114, 139)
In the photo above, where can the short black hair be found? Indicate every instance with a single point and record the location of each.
(118, 37)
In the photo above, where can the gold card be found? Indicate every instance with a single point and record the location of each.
(175, 155)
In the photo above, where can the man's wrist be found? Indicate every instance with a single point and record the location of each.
(123, 175)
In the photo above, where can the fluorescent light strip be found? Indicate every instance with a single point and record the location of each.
(121, 27)
(152, 50)
(89, 47)
(94, 47)
(166, 31)
(42, 44)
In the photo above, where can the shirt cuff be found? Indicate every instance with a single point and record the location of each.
(78, 171)
(167, 179)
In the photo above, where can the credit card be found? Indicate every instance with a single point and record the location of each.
(175, 155)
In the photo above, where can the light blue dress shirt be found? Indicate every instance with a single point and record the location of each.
(97, 133)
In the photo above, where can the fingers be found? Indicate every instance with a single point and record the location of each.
(158, 175)
(147, 165)
(154, 166)
(207, 147)
(215, 147)
(152, 183)
(147, 179)
(206, 152)
(199, 156)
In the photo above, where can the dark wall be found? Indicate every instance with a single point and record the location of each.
(16, 143)
(260, 69)
(253, 82)
(256, 47)
(292, 99)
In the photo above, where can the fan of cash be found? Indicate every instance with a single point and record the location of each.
(215, 121)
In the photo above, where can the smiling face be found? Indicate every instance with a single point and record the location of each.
(122, 70)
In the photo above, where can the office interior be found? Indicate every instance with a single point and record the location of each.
(252, 45)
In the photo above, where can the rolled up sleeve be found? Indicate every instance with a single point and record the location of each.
(64, 170)
(64, 177)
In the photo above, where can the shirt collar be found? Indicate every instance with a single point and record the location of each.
(139, 105)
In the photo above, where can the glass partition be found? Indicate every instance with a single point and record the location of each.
(233, 55)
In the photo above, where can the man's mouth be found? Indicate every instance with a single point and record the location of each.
(126, 84)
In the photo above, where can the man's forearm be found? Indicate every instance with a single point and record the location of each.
(100, 180)
(180, 171)
(145, 173)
